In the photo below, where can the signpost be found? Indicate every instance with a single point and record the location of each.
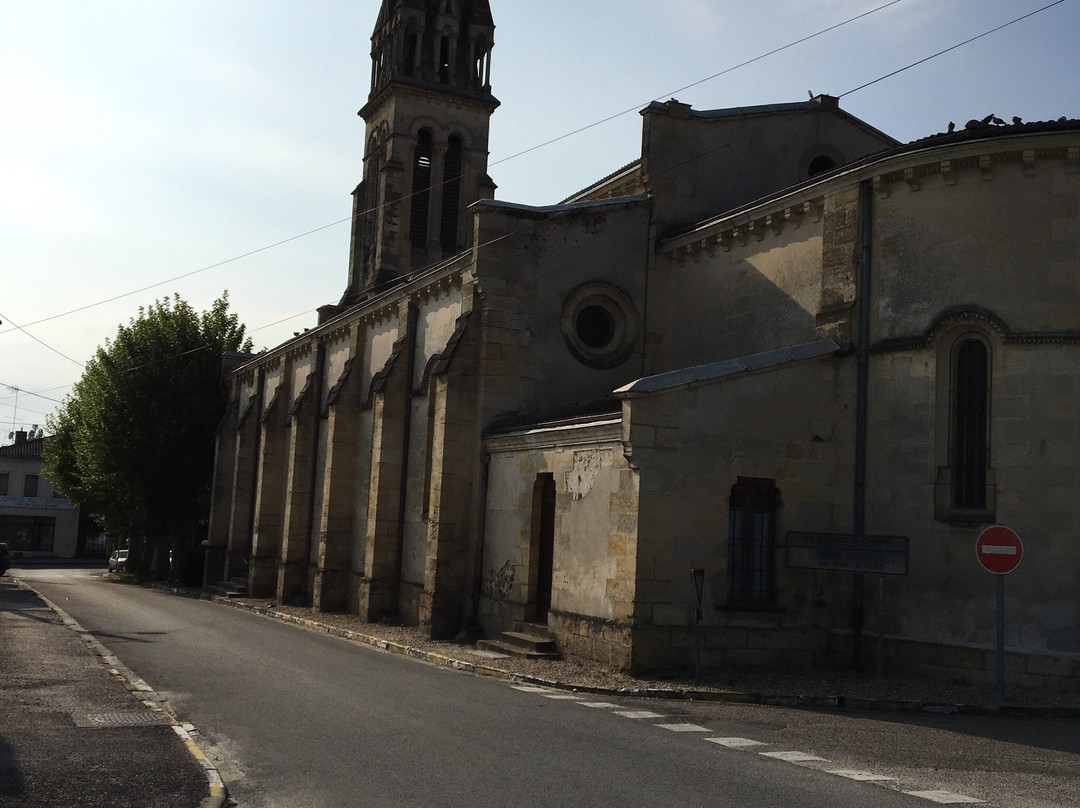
(699, 589)
(1000, 551)
(844, 552)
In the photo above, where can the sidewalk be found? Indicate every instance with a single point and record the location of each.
(829, 689)
(71, 732)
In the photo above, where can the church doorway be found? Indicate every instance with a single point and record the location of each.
(542, 551)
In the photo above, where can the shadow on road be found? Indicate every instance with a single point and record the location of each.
(11, 779)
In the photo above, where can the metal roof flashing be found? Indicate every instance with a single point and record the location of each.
(716, 371)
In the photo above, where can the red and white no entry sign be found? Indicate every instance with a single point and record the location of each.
(999, 550)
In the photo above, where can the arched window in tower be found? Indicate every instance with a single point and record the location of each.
(421, 189)
(970, 423)
(451, 201)
(412, 50)
(444, 59)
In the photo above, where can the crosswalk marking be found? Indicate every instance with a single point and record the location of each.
(735, 743)
(794, 757)
(862, 777)
(638, 714)
(945, 797)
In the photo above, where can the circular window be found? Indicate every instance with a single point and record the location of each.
(600, 325)
(596, 327)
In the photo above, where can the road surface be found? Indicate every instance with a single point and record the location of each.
(298, 719)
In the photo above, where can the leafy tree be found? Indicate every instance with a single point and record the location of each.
(134, 441)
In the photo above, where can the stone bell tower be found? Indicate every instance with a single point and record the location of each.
(426, 151)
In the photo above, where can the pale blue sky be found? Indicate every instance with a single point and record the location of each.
(144, 140)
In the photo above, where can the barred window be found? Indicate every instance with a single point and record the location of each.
(970, 417)
(751, 543)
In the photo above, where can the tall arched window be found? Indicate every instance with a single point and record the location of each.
(421, 189)
(451, 197)
(970, 438)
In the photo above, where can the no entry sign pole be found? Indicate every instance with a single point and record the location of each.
(1000, 551)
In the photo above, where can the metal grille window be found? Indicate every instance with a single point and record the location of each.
(421, 189)
(751, 543)
(970, 445)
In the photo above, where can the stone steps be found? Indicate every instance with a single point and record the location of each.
(521, 644)
(233, 588)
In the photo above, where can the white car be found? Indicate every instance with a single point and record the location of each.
(118, 560)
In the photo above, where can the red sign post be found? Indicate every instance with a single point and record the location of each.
(1000, 551)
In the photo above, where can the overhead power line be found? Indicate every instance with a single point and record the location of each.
(515, 156)
(954, 47)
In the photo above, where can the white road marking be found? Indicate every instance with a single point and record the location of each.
(562, 696)
(531, 689)
(945, 797)
(735, 743)
(638, 714)
(683, 727)
(600, 705)
(794, 757)
(862, 777)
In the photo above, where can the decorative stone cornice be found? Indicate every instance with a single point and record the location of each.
(339, 334)
(973, 314)
(918, 166)
(601, 430)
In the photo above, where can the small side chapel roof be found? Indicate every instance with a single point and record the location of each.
(729, 367)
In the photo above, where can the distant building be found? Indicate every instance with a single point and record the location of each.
(774, 337)
(33, 523)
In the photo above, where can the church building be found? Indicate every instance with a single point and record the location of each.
(762, 389)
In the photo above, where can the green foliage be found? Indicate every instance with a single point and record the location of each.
(134, 441)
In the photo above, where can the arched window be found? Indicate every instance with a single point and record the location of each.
(451, 197)
(421, 189)
(970, 436)
(820, 164)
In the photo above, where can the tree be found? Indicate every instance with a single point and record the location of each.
(134, 441)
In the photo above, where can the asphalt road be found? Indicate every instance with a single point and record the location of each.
(298, 719)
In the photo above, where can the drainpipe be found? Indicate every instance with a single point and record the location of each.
(320, 378)
(406, 434)
(861, 407)
(481, 528)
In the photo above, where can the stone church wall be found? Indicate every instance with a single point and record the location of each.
(692, 446)
(592, 575)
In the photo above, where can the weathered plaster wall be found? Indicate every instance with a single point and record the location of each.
(594, 547)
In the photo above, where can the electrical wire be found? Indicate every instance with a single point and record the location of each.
(954, 47)
(515, 156)
(17, 327)
(512, 157)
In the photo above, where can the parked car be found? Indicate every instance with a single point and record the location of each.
(118, 560)
(5, 558)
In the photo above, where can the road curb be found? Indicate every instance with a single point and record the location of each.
(832, 702)
(218, 794)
